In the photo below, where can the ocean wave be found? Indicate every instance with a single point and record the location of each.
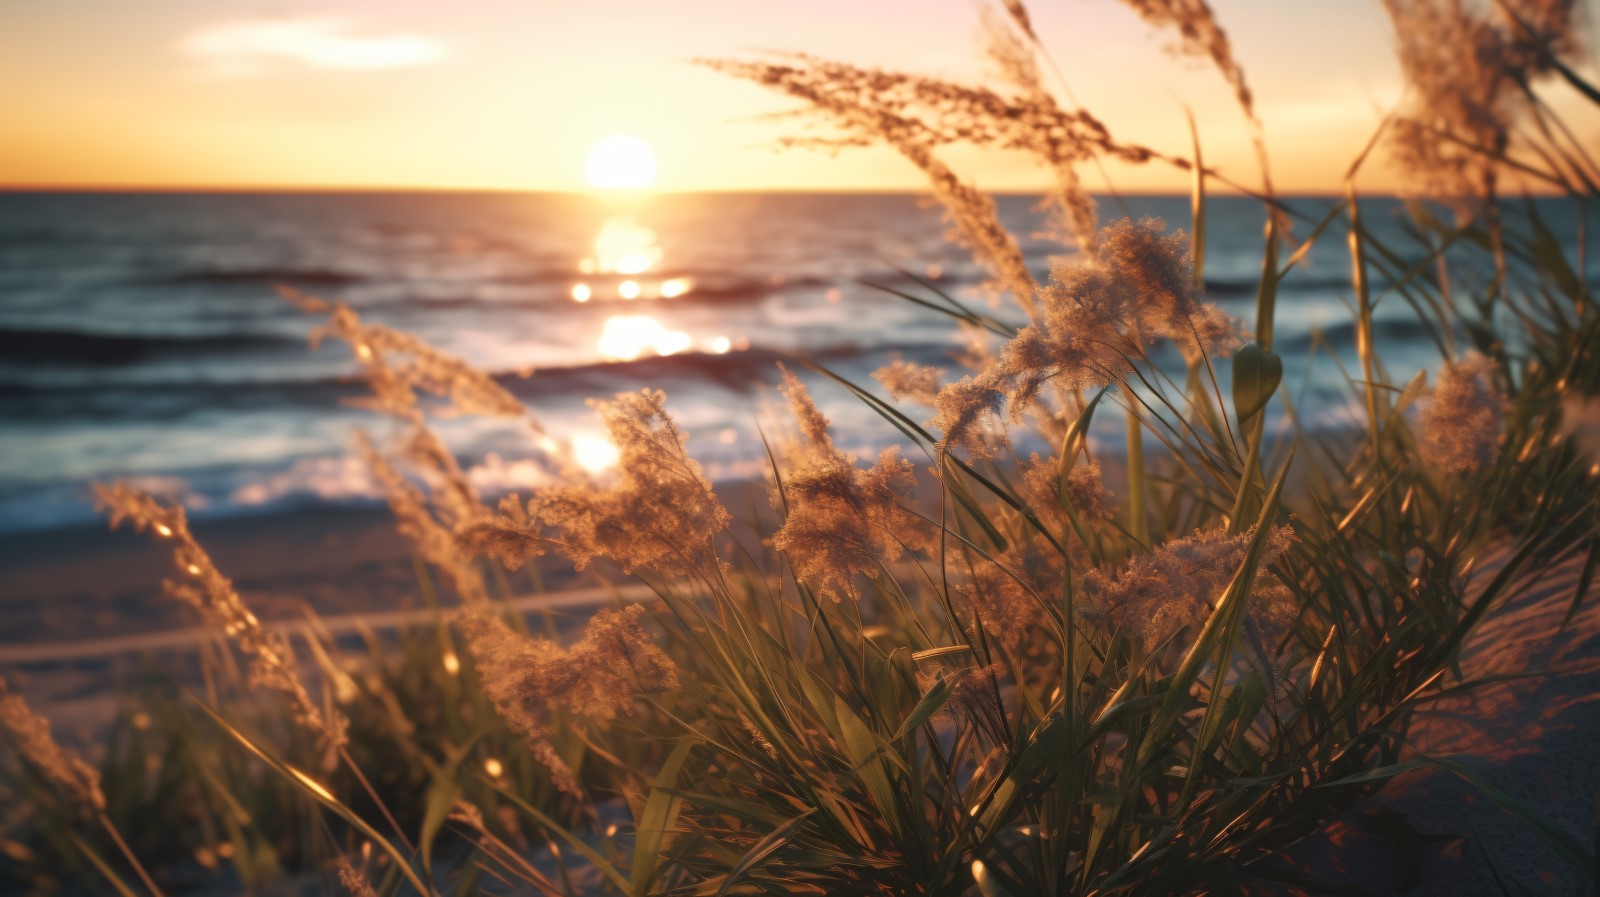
(1246, 287)
(319, 277)
(604, 292)
(1403, 330)
(737, 371)
(33, 238)
(104, 349)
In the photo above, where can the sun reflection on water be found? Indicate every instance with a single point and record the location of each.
(623, 247)
(627, 337)
(624, 254)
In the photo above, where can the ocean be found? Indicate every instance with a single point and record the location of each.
(141, 336)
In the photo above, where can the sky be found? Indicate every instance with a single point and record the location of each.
(512, 94)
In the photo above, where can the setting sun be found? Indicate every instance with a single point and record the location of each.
(620, 162)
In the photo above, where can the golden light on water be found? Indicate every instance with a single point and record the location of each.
(627, 250)
(622, 247)
(620, 162)
(634, 264)
(627, 337)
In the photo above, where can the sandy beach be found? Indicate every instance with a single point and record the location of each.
(1530, 732)
(79, 605)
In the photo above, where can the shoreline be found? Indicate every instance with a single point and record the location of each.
(86, 583)
(86, 589)
(54, 654)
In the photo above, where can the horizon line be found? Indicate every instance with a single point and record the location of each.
(325, 189)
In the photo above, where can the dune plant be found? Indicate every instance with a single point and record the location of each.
(1096, 669)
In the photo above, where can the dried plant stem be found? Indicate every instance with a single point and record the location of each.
(372, 793)
(127, 852)
(1364, 347)
(1138, 523)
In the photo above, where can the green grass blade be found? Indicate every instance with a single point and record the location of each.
(1218, 630)
(606, 867)
(763, 849)
(660, 811)
(99, 862)
(323, 796)
(1585, 581)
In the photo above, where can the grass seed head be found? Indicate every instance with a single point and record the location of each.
(74, 779)
(1463, 418)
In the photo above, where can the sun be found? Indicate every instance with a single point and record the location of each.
(620, 162)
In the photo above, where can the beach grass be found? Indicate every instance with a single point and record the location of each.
(1140, 669)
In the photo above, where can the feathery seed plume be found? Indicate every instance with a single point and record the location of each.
(1095, 319)
(597, 678)
(755, 734)
(909, 381)
(1019, 14)
(77, 781)
(841, 520)
(975, 701)
(201, 585)
(397, 365)
(419, 520)
(1202, 36)
(1467, 75)
(1463, 419)
(1157, 278)
(967, 412)
(511, 538)
(1010, 46)
(354, 882)
(1010, 592)
(1085, 490)
(1178, 583)
(659, 515)
(916, 115)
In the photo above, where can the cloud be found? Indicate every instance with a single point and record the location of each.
(254, 46)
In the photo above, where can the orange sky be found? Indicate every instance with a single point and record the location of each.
(511, 95)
